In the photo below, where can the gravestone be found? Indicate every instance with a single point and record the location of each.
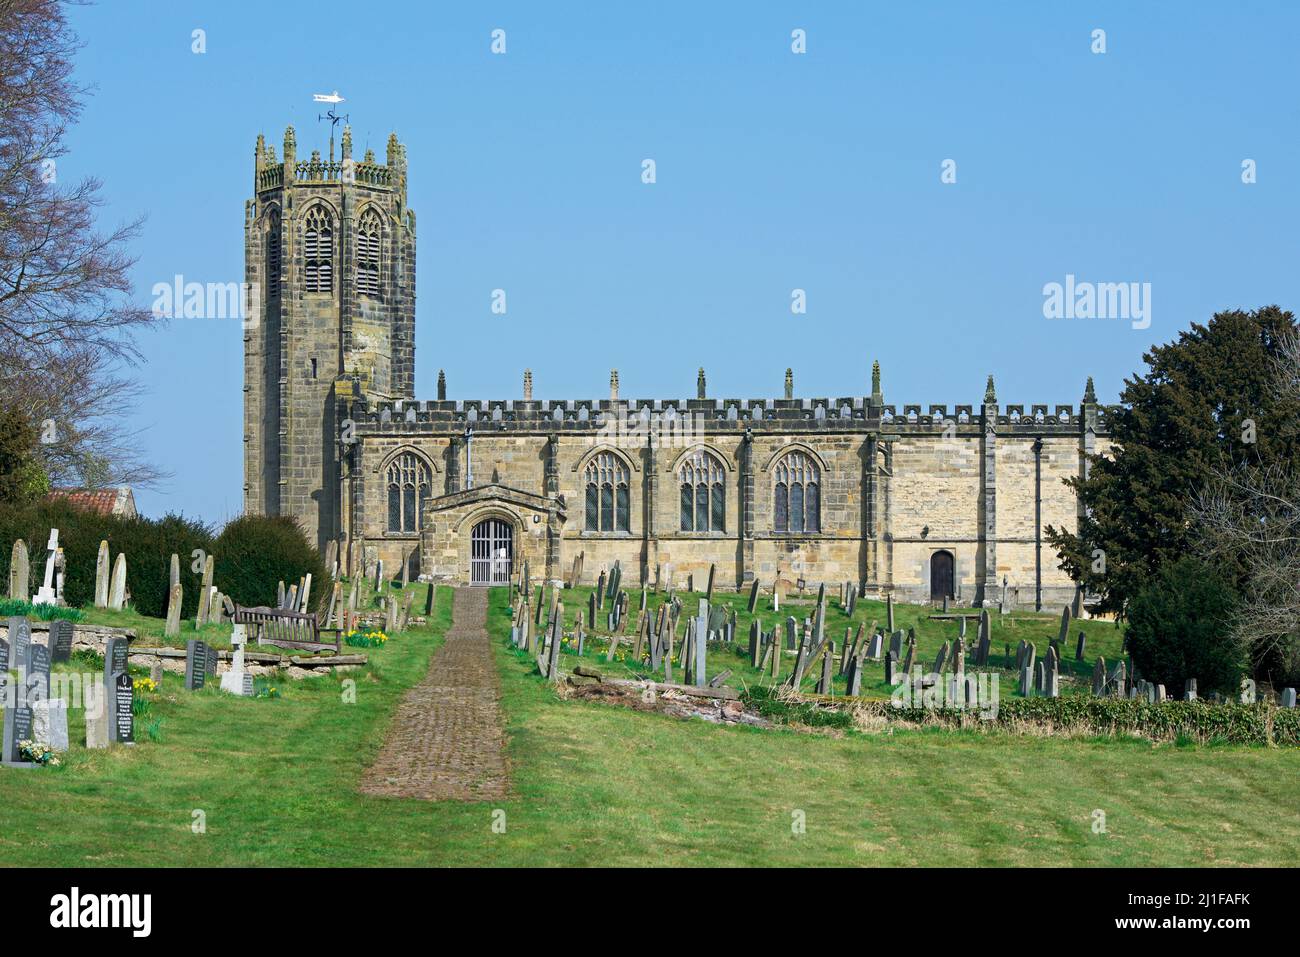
(889, 612)
(123, 712)
(874, 647)
(174, 598)
(196, 664)
(753, 597)
(101, 576)
(50, 723)
(824, 685)
(38, 674)
(557, 639)
(1078, 648)
(940, 658)
(1065, 626)
(18, 571)
(1288, 697)
(701, 644)
(1099, 677)
(17, 719)
(237, 681)
(116, 653)
(117, 585)
(708, 594)
(1189, 689)
(61, 631)
(47, 594)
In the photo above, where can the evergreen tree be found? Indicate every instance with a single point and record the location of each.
(1207, 401)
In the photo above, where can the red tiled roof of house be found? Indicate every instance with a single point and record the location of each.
(105, 501)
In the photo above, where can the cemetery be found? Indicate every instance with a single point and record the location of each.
(804, 678)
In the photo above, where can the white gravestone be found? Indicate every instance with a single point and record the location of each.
(46, 594)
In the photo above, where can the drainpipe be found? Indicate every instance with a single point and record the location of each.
(469, 460)
(1038, 524)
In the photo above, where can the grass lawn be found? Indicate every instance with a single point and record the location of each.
(598, 784)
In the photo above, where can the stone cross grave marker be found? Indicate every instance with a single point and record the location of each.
(46, 595)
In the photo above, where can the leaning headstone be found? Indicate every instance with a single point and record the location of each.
(61, 631)
(1064, 633)
(173, 625)
(1078, 648)
(117, 586)
(174, 575)
(101, 576)
(1288, 697)
(753, 596)
(891, 668)
(889, 612)
(708, 594)
(940, 659)
(874, 647)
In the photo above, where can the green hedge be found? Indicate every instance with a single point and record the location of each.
(1230, 722)
(254, 553)
(148, 544)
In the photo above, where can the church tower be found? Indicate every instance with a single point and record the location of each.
(329, 258)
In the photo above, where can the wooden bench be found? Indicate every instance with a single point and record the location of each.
(282, 628)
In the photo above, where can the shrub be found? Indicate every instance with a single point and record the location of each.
(148, 544)
(1179, 627)
(254, 553)
(10, 608)
(1199, 721)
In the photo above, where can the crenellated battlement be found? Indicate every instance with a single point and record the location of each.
(847, 413)
(271, 173)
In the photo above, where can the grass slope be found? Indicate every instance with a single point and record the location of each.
(596, 784)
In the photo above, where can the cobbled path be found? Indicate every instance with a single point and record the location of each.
(446, 742)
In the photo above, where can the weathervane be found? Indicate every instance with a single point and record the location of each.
(333, 99)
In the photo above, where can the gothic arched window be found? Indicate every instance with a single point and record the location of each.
(606, 479)
(368, 232)
(273, 255)
(704, 494)
(318, 251)
(408, 490)
(797, 494)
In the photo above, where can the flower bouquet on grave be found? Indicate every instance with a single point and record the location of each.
(41, 754)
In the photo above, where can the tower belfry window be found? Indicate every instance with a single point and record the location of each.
(273, 255)
(368, 233)
(318, 251)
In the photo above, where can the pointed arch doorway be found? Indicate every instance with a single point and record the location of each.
(492, 552)
(942, 577)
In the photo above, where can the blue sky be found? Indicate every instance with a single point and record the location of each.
(775, 172)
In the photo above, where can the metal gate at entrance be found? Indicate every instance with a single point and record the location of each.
(492, 552)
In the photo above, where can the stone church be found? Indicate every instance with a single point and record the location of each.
(920, 501)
